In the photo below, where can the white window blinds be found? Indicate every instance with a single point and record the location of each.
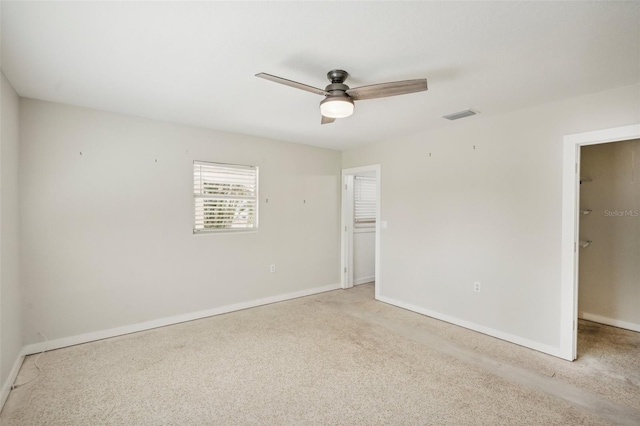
(225, 197)
(364, 199)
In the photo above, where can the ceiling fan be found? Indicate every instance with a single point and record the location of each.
(338, 101)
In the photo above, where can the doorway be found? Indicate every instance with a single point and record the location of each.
(609, 234)
(572, 243)
(360, 227)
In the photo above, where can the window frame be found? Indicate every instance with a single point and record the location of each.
(201, 195)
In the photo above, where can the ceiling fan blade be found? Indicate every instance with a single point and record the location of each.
(292, 83)
(327, 120)
(387, 89)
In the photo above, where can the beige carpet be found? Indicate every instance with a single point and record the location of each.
(339, 358)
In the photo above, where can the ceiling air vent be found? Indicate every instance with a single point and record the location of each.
(460, 114)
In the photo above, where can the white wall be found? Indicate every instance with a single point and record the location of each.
(107, 221)
(609, 273)
(10, 303)
(492, 214)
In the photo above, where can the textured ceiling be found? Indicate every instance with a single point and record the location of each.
(194, 63)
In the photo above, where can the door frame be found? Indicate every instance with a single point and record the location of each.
(346, 226)
(570, 226)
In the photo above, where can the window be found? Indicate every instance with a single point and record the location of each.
(364, 200)
(225, 197)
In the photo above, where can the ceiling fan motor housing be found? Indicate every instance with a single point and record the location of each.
(337, 87)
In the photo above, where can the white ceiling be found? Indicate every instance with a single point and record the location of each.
(194, 63)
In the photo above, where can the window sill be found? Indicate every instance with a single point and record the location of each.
(225, 232)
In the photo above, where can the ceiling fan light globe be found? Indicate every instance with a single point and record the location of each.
(337, 107)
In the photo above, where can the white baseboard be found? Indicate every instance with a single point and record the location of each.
(363, 280)
(551, 350)
(609, 321)
(13, 374)
(162, 322)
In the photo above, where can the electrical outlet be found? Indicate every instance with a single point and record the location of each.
(476, 286)
(272, 268)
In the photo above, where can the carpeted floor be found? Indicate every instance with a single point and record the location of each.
(338, 358)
